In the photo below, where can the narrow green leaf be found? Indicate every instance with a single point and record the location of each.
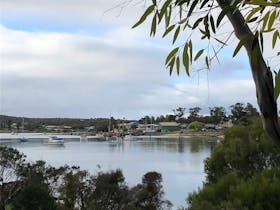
(176, 34)
(171, 54)
(168, 16)
(258, 2)
(171, 65)
(163, 10)
(240, 44)
(207, 62)
(148, 11)
(274, 38)
(252, 20)
(264, 20)
(250, 15)
(170, 28)
(271, 20)
(178, 65)
(277, 86)
(187, 66)
(186, 59)
(198, 54)
(153, 26)
(191, 50)
(185, 51)
(206, 26)
(212, 24)
(192, 8)
(222, 15)
(181, 2)
(154, 2)
(203, 3)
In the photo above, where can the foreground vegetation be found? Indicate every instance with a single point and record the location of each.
(243, 172)
(37, 186)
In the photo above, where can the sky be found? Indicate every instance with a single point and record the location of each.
(81, 59)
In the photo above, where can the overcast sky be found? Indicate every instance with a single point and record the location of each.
(80, 58)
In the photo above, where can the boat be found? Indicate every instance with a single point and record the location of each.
(55, 140)
(23, 139)
(129, 137)
(113, 139)
(83, 137)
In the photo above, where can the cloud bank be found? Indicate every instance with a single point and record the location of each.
(101, 68)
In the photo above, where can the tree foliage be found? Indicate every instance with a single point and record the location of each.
(179, 113)
(205, 17)
(37, 186)
(242, 173)
(246, 150)
(11, 162)
(239, 110)
(217, 114)
(194, 113)
(261, 192)
(251, 20)
(195, 125)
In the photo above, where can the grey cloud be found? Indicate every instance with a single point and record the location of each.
(83, 76)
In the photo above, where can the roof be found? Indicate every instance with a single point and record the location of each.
(169, 124)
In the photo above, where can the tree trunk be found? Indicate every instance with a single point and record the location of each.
(261, 73)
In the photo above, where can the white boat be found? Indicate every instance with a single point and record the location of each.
(55, 140)
(129, 137)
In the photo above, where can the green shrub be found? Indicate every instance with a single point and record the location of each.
(195, 125)
(243, 171)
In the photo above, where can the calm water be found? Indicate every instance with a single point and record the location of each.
(179, 161)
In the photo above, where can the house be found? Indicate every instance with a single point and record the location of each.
(169, 126)
(131, 125)
(148, 128)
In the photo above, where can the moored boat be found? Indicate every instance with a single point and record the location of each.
(23, 139)
(55, 140)
(114, 139)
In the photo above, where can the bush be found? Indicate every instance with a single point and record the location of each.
(195, 125)
(37, 186)
(243, 172)
(260, 192)
(246, 150)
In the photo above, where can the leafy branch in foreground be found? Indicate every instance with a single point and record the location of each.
(252, 20)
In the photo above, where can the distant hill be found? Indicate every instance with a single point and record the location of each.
(31, 124)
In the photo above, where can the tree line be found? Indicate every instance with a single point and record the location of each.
(38, 186)
(216, 115)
